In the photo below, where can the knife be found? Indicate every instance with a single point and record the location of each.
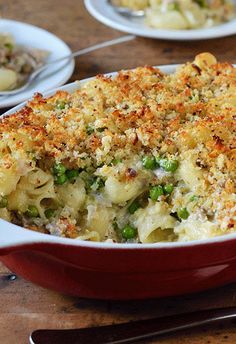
(132, 331)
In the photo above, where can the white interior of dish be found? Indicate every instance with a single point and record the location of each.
(12, 235)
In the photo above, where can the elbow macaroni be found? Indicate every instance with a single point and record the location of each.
(152, 219)
(118, 192)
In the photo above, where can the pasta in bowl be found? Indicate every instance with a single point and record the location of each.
(127, 174)
(181, 14)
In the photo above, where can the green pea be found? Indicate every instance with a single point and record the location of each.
(133, 207)
(169, 165)
(3, 202)
(149, 162)
(168, 189)
(156, 192)
(193, 198)
(61, 179)
(71, 174)
(59, 169)
(61, 105)
(32, 211)
(183, 213)
(128, 232)
(49, 213)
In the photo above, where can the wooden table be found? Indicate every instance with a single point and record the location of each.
(24, 306)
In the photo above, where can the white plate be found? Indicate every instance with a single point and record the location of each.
(103, 12)
(36, 37)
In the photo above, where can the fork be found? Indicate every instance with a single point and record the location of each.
(36, 73)
(134, 330)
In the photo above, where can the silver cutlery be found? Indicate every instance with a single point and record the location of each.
(133, 330)
(36, 73)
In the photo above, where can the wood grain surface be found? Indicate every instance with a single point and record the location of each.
(24, 306)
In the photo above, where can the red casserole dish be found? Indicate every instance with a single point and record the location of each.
(117, 271)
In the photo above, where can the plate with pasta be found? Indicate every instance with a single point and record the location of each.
(168, 19)
(24, 48)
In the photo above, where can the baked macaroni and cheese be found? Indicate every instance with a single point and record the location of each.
(182, 14)
(139, 157)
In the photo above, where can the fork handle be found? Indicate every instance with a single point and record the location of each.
(87, 50)
(132, 331)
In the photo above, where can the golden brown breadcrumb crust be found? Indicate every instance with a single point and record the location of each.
(136, 111)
